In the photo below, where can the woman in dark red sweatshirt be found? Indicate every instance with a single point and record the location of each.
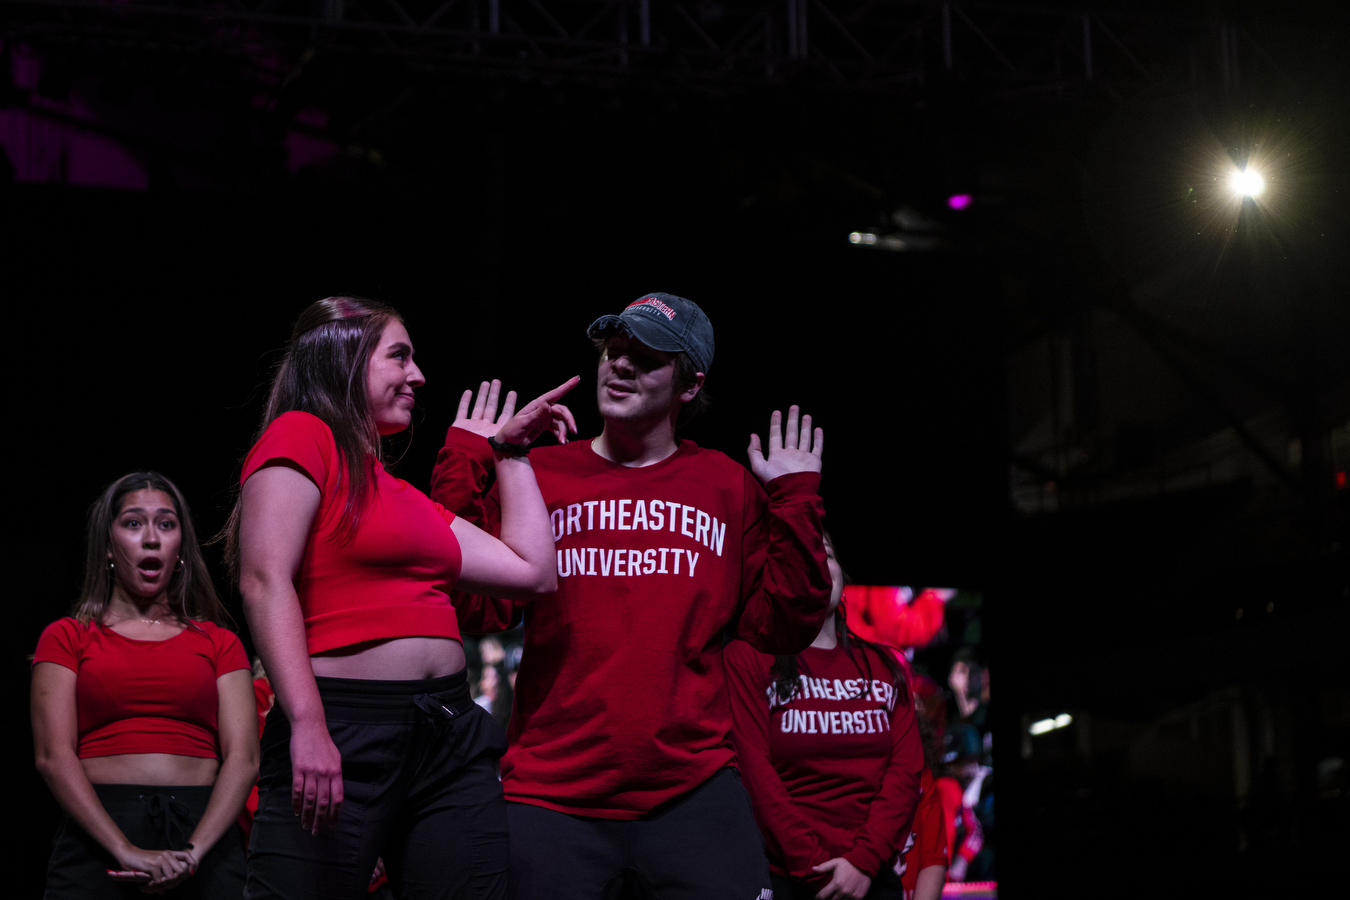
(829, 749)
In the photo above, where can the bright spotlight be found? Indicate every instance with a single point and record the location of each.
(1247, 183)
(1043, 725)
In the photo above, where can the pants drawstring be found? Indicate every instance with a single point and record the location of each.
(171, 818)
(435, 709)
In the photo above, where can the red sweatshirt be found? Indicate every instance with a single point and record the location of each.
(880, 615)
(835, 770)
(620, 703)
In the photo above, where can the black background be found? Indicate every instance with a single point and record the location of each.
(144, 326)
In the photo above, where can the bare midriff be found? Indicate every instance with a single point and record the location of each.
(398, 659)
(151, 768)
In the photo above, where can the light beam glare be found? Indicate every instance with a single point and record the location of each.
(1247, 182)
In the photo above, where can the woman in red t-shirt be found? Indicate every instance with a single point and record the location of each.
(374, 747)
(142, 709)
(829, 749)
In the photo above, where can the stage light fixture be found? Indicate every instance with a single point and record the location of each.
(902, 242)
(1041, 726)
(959, 201)
(1246, 183)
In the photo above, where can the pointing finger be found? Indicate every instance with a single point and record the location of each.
(561, 390)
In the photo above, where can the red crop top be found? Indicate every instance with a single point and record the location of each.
(392, 579)
(144, 696)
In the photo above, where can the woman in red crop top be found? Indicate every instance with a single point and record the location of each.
(829, 749)
(142, 709)
(374, 747)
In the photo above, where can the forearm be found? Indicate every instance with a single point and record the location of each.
(788, 836)
(458, 485)
(236, 778)
(71, 788)
(930, 882)
(525, 527)
(278, 628)
(785, 565)
(891, 812)
(460, 477)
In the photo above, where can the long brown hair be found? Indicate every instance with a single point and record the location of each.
(192, 596)
(787, 668)
(323, 372)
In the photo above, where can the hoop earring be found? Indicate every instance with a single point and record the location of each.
(179, 566)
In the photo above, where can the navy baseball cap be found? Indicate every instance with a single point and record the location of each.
(663, 322)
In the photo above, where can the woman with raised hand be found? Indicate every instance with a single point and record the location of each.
(143, 713)
(374, 748)
(829, 748)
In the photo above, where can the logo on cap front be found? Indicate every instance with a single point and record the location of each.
(655, 304)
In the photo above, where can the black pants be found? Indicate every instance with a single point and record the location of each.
(419, 788)
(153, 817)
(703, 846)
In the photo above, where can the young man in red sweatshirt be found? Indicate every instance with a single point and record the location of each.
(620, 765)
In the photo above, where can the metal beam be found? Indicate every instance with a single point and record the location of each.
(892, 46)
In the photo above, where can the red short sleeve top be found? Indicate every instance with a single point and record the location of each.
(392, 578)
(144, 696)
(927, 844)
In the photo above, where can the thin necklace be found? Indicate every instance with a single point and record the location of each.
(138, 619)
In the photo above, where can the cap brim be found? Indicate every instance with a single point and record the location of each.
(651, 335)
(603, 326)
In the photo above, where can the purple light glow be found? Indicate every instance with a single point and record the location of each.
(43, 150)
(958, 201)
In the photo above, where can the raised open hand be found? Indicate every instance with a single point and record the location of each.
(790, 451)
(540, 415)
(482, 418)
